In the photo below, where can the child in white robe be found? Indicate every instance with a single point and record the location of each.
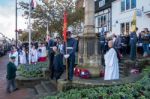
(34, 55)
(23, 56)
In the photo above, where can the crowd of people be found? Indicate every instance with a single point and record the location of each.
(38, 54)
(112, 49)
(127, 45)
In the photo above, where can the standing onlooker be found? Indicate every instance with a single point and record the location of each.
(58, 63)
(146, 41)
(11, 74)
(133, 41)
(102, 46)
(117, 46)
(51, 44)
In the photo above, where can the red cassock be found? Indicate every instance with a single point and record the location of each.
(42, 59)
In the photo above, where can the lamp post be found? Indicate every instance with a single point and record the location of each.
(16, 24)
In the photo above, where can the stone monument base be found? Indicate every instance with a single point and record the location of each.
(88, 56)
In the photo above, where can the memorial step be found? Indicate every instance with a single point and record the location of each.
(49, 87)
(40, 90)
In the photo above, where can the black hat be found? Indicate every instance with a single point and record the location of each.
(12, 57)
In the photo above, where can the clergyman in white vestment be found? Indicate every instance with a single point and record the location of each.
(111, 63)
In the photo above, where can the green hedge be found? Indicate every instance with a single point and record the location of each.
(33, 70)
(138, 90)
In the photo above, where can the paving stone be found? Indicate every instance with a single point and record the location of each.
(40, 89)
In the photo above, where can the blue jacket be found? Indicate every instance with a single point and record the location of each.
(71, 46)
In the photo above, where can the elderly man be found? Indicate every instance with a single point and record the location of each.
(111, 63)
(51, 44)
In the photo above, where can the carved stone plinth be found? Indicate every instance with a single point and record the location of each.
(88, 56)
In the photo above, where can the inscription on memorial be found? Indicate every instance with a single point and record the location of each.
(90, 47)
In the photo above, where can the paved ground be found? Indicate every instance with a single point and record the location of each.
(20, 94)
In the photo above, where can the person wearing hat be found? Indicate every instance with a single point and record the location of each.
(11, 75)
(69, 54)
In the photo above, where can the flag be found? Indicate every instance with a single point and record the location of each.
(33, 4)
(65, 26)
(133, 23)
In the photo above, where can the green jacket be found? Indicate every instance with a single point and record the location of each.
(11, 71)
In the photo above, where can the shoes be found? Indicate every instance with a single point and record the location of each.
(8, 92)
(69, 80)
(16, 89)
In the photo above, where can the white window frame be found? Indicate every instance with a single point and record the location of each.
(125, 23)
(126, 6)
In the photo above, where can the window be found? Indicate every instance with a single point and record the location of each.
(99, 21)
(127, 4)
(122, 5)
(125, 28)
(102, 20)
(133, 4)
(101, 3)
(122, 28)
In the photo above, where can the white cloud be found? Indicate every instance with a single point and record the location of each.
(7, 21)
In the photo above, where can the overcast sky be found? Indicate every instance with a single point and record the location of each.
(7, 18)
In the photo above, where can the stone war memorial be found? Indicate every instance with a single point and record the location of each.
(89, 60)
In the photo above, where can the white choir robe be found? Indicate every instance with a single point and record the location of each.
(34, 55)
(15, 54)
(23, 57)
(111, 65)
(43, 54)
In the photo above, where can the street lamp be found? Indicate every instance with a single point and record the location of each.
(16, 23)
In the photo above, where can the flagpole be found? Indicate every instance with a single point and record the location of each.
(29, 31)
(65, 39)
(67, 73)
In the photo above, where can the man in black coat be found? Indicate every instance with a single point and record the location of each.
(51, 53)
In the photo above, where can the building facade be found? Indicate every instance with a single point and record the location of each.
(103, 15)
(123, 12)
